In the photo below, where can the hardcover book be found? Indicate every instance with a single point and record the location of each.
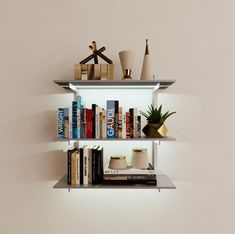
(60, 123)
(74, 119)
(110, 119)
(66, 122)
(120, 122)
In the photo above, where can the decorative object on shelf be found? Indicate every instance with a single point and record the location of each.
(126, 59)
(155, 127)
(117, 162)
(95, 71)
(139, 158)
(146, 73)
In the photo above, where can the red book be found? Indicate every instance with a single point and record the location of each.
(89, 123)
(127, 124)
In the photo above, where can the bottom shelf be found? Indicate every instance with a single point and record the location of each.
(163, 182)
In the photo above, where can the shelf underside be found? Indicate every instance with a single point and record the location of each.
(120, 139)
(163, 182)
(117, 84)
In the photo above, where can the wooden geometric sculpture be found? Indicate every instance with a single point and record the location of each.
(94, 71)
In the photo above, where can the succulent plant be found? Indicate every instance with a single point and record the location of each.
(155, 115)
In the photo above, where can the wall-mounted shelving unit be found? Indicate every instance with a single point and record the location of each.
(163, 181)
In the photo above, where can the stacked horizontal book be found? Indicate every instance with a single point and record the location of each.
(130, 176)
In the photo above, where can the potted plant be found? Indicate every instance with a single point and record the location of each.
(155, 127)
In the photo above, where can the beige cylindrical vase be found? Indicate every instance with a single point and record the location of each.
(146, 73)
(126, 59)
(139, 158)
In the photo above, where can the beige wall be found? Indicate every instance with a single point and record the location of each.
(190, 41)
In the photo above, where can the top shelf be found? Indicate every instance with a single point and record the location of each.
(75, 85)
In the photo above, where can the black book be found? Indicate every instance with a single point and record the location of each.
(99, 167)
(116, 118)
(69, 163)
(81, 163)
(94, 165)
(130, 182)
(93, 107)
(131, 110)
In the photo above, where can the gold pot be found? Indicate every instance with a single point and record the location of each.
(155, 130)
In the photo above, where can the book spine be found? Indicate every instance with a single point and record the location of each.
(104, 124)
(124, 126)
(60, 123)
(93, 120)
(78, 167)
(99, 168)
(84, 123)
(130, 177)
(101, 123)
(66, 122)
(120, 122)
(110, 132)
(74, 168)
(135, 115)
(116, 118)
(69, 167)
(89, 123)
(70, 122)
(81, 123)
(94, 163)
(127, 125)
(138, 126)
(97, 123)
(74, 119)
(129, 182)
(81, 165)
(131, 110)
(79, 105)
(85, 165)
(90, 166)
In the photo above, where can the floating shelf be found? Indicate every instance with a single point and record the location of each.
(115, 84)
(163, 182)
(120, 139)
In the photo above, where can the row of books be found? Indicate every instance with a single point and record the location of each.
(130, 176)
(79, 122)
(85, 165)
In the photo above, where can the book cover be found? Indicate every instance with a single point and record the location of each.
(130, 182)
(60, 123)
(94, 107)
(110, 118)
(130, 177)
(120, 122)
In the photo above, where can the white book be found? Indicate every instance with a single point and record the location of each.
(124, 126)
(129, 171)
(104, 135)
(85, 165)
(135, 122)
(78, 167)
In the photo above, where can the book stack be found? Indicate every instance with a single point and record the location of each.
(130, 176)
(85, 165)
(79, 121)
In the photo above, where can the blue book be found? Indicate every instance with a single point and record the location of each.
(110, 118)
(74, 119)
(79, 110)
(60, 123)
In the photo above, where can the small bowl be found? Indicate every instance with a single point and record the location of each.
(117, 162)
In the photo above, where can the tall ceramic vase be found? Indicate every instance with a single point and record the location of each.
(146, 73)
(126, 59)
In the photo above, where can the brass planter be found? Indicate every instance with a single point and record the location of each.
(155, 130)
